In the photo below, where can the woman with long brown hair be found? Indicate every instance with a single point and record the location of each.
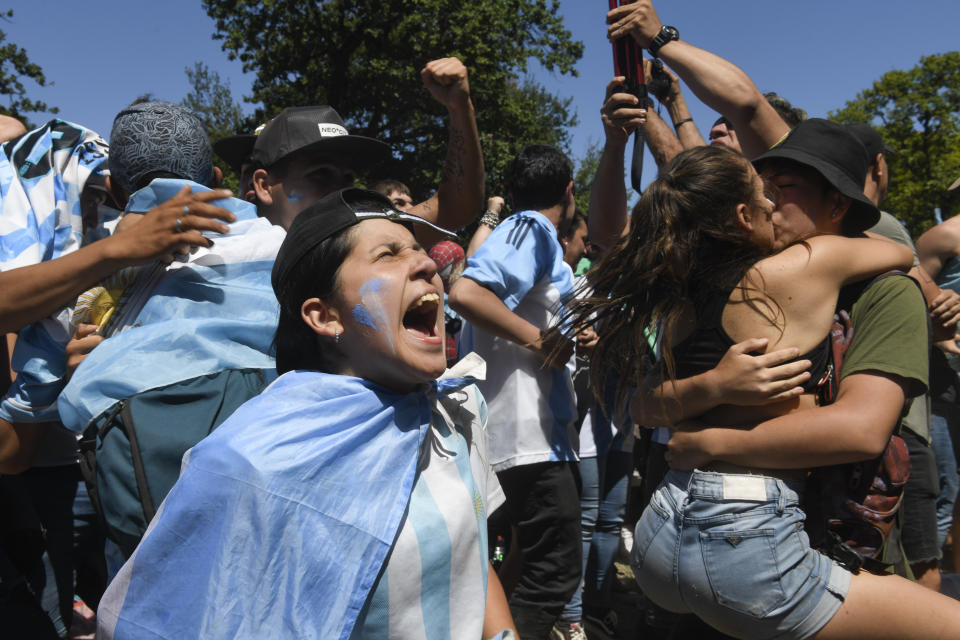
(695, 274)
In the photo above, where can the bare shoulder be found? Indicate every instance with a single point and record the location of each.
(941, 239)
(785, 262)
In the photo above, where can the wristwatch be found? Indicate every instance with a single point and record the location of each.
(665, 35)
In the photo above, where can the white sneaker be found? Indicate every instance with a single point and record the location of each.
(626, 545)
(568, 631)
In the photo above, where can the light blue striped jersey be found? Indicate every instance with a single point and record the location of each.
(532, 407)
(434, 583)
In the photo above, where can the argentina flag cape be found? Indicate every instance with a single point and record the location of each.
(282, 518)
(213, 312)
(42, 176)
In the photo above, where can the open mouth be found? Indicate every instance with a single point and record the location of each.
(421, 318)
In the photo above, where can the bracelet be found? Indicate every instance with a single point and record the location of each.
(490, 219)
(676, 125)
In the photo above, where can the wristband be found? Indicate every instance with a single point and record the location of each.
(490, 219)
(676, 125)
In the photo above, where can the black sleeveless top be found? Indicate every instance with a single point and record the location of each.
(703, 349)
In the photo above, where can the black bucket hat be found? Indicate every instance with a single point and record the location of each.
(314, 130)
(236, 150)
(836, 154)
(330, 215)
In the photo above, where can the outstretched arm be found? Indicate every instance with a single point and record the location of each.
(662, 142)
(487, 224)
(680, 117)
(28, 294)
(718, 83)
(621, 115)
(459, 198)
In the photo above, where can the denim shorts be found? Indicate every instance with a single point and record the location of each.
(732, 550)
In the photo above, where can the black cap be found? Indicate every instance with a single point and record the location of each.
(330, 215)
(235, 150)
(869, 138)
(839, 157)
(319, 129)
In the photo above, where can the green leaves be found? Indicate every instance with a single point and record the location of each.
(364, 58)
(15, 66)
(918, 115)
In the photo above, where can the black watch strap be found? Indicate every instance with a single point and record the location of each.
(665, 35)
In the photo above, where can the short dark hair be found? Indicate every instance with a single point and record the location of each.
(538, 177)
(316, 275)
(388, 186)
(791, 115)
(573, 224)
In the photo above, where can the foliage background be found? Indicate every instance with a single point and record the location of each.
(364, 57)
(917, 112)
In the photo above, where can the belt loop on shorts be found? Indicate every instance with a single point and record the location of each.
(781, 498)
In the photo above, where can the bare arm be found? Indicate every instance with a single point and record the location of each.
(718, 83)
(482, 308)
(676, 104)
(494, 205)
(19, 443)
(32, 293)
(620, 114)
(459, 198)
(497, 616)
(937, 246)
(662, 142)
(739, 378)
(840, 260)
(855, 427)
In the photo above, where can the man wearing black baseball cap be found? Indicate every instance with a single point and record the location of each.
(304, 153)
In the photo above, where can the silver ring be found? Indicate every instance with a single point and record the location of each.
(186, 210)
(178, 226)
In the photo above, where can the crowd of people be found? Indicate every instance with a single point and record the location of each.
(312, 410)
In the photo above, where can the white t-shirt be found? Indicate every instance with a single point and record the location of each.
(532, 407)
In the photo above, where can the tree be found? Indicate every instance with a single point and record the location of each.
(364, 58)
(917, 112)
(586, 170)
(15, 66)
(211, 99)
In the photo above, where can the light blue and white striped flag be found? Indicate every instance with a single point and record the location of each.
(215, 311)
(282, 518)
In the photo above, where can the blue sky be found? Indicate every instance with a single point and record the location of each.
(101, 54)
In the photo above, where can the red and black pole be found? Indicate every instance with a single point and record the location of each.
(628, 62)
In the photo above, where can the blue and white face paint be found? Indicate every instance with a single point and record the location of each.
(372, 299)
(362, 316)
(392, 311)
